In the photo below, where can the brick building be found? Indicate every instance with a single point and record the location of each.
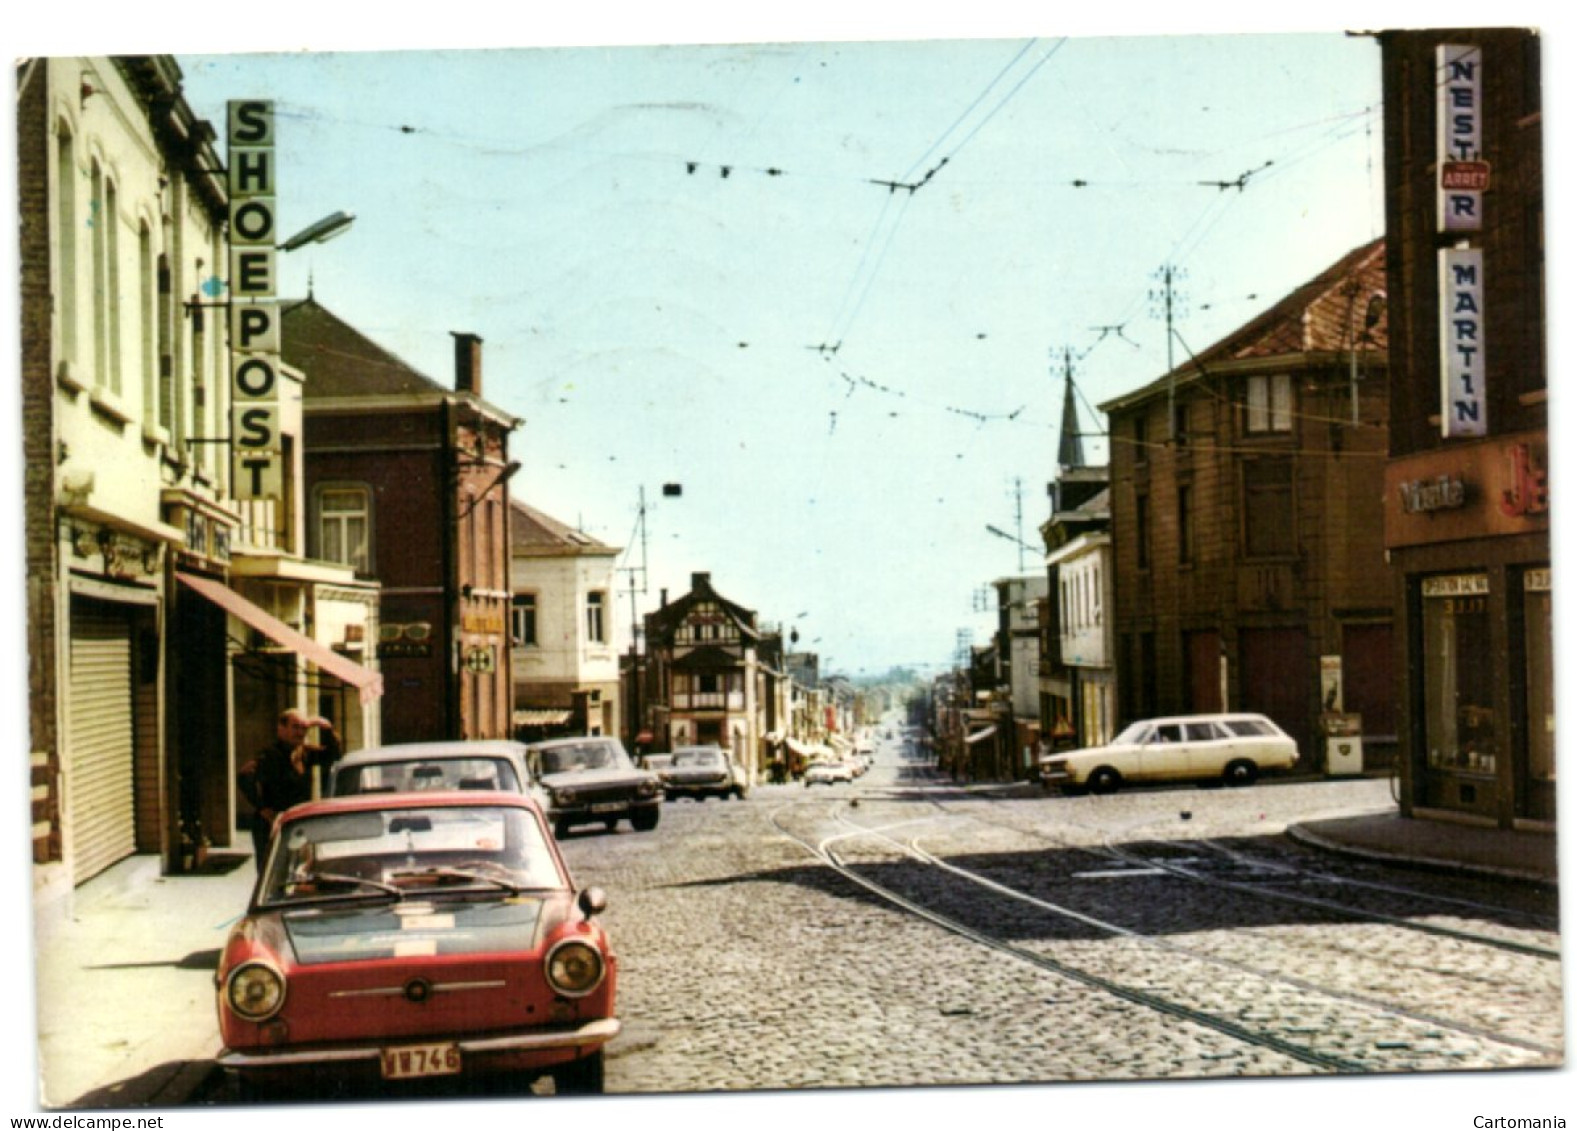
(407, 483)
(1249, 572)
(1467, 498)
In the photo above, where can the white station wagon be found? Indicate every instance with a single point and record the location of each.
(1233, 748)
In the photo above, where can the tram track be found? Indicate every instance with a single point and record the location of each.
(1135, 980)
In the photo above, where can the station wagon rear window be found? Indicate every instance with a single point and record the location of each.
(1249, 728)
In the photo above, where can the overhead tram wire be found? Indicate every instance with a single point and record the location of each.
(847, 314)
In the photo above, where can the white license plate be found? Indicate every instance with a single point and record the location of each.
(410, 1062)
(608, 807)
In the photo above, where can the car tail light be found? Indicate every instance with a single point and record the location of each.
(255, 991)
(574, 968)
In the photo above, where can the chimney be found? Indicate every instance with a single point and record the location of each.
(664, 598)
(467, 363)
(700, 581)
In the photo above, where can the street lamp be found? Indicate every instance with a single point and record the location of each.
(322, 231)
(633, 703)
(1017, 541)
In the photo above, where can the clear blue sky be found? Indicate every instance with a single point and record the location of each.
(654, 241)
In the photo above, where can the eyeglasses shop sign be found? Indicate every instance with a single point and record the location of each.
(255, 443)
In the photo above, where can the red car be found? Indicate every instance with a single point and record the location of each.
(396, 937)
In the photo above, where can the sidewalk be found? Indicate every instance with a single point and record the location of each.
(125, 988)
(1442, 845)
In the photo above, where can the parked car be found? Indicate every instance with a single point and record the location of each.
(701, 772)
(421, 766)
(1234, 748)
(591, 780)
(397, 937)
(828, 773)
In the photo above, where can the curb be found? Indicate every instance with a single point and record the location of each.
(1430, 863)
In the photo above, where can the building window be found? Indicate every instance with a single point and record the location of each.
(523, 620)
(148, 318)
(344, 526)
(1185, 524)
(66, 222)
(165, 344)
(1269, 404)
(101, 296)
(1460, 731)
(1141, 439)
(1141, 514)
(1268, 527)
(595, 630)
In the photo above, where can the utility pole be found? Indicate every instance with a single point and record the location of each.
(1166, 305)
(633, 724)
(1018, 519)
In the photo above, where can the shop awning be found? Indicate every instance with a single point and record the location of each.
(541, 717)
(368, 683)
(980, 735)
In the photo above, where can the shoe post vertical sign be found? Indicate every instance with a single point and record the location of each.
(1464, 177)
(255, 442)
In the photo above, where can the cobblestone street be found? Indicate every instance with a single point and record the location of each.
(748, 964)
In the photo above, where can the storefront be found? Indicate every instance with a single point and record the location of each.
(1472, 561)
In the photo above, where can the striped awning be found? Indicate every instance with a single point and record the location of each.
(541, 717)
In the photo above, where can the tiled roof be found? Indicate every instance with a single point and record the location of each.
(340, 361)
(532, 531)
(1319, 317)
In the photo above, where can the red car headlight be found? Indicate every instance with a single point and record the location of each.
(574, 968)
(255, 991)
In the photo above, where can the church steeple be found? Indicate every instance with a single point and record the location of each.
(1070, 449)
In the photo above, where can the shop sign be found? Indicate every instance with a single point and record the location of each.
(1536, 581)
(1459, 111)
(1422, 496)
(1462, 343)
(405, 641)
(1457, 585)
(255, 424)
(479, 660)
(482, 623)
(1529, 492)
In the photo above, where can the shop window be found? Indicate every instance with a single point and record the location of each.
(1460, 728)
(1539, 663)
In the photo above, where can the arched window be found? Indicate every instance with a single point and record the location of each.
(66, 221)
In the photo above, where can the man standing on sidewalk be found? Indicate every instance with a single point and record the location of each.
(281, 774)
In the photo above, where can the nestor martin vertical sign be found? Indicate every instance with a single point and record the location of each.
(1462, 342)
(1459, 113)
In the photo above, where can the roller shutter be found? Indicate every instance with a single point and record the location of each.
(100, 788)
